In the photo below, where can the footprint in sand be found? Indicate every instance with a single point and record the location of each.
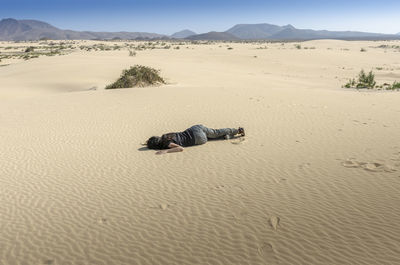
(219, 187)
(378, 167)
(163, 206)
(374, 167)
(102, 221)
(368, 166)
(274, 222)
(238, 141)
(266, 250)
(351, 163)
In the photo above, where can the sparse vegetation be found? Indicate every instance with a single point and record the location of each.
(395, 86)
(363, 50)
(298, 46)
(137, 76)
(364, 81)
(30, 49)
(132, 53)
(367, 81)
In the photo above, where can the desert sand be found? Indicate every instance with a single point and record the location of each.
(316, 179)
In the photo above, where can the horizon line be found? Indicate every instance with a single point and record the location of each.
(188, 28)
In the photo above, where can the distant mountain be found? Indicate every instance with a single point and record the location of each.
(288, 32)
(256, 31)
(213, 35)
(398, 33)
(12, 29)
(183, 34)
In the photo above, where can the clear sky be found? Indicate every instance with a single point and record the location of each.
(169, 16)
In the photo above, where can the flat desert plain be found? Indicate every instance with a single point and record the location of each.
(315, 180)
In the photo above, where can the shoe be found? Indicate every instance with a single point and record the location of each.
(241, 131)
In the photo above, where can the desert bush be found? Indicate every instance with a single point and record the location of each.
(30, 49)
(363, 50)
(364, 81)
(132, 53)
(395, 86)
(298, 46)
(137, 76)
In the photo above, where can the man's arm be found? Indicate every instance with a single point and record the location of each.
(172, 149)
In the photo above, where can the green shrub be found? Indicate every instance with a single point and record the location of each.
(137, 76)
(350, 84)
(364, 81)
(396, 85)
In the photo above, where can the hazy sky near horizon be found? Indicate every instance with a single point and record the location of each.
(169, 16)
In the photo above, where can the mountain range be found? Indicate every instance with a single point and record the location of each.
(12, 29)
(288, 32)
(19, 30)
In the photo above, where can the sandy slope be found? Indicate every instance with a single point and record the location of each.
(315, 181)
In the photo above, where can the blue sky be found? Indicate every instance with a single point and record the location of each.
(169, 16)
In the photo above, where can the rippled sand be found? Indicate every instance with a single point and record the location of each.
(315, 181)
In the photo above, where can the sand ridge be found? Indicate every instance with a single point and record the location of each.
(314, 181)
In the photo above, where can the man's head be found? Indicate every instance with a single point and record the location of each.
(154, 142)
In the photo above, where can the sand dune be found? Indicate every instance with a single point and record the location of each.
(315, 181)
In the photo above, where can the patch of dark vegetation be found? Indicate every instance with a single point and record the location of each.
(137, 76)
(367, 81)
(30, 49)
(132, 53)
(394, 86)
(386, 47)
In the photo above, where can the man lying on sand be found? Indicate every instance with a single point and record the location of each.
(195, 135)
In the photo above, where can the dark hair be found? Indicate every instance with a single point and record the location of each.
(154, 142)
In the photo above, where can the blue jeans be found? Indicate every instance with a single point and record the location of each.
(202, 133)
